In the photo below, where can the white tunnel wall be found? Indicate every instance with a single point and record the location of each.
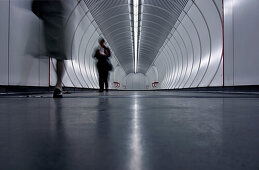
(190, 57)
(22, 47)
(192, 54)
(241, 42)
(4, 29)
(136, 81)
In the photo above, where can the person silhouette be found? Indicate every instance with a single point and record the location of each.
(51, 12)
(102, 54)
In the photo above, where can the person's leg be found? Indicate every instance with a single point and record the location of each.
(60, 67)
(60, 73)
(101, 82)
(106, 80)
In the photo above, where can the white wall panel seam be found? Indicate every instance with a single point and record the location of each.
(170, 55)
(168, 64)
(233, 32)
(196, 30)
(9, 28)
(163, 69)
(165, 64)
(80, 22)
(160, 71)
(210, 45)
(91, 62)
(177, 68)
(72, 43)
(66, 70)
(85, 59)
(192, 54)
(166, 79)
(85, 53)
(86, 12)
(210, 66)
(67, 20)
(221, 59)
(156, 73)
(201, 51)
(81, 41)
(92, 81)
(186, 56)
(88, 74)
(80, 45)
(94, 64)
(180, 61)
(180, 49)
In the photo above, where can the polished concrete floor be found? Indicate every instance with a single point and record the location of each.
(130, 131)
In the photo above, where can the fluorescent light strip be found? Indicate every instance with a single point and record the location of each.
(136, 25)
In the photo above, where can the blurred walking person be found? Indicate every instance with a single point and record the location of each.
(52, 14)
(102, 54)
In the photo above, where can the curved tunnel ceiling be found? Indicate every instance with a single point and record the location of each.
(181, 45)
(157, 19)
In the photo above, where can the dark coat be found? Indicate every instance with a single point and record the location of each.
(103, 60)
(52, 14)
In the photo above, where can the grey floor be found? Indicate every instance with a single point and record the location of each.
(130, 131)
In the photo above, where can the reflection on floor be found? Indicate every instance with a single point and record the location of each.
(130, 131)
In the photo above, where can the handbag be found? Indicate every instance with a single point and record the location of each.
(109, 65)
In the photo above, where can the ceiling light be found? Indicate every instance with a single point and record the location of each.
(136, 25)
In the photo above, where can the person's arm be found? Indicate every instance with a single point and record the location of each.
(107, 52)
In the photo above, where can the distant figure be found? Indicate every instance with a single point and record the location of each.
(52, 14)
(102, 54)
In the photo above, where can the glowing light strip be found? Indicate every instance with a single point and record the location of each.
(136, 25)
